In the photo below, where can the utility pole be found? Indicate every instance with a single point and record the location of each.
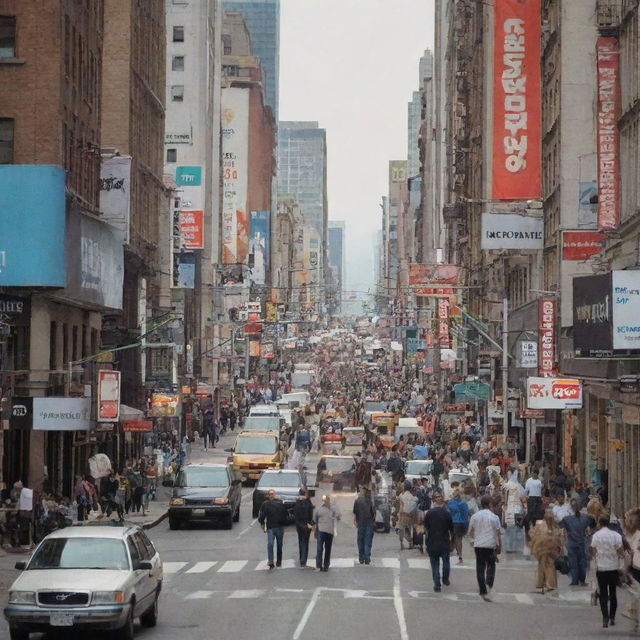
(505, 366)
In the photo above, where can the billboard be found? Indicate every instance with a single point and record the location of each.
(259, 240)
(32, 226)
(115, 193)
(625, 309)
(61, 414)
(444, 338)
(235, 164)
(108, 396)
(516, 100)
(191, 229)
(435, 280)
(511, 231)
(608, 136)
(547, 336)
(581, 245)
(528, 354)
(554, 393)
(188, 176)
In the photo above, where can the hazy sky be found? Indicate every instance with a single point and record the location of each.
(352, 65)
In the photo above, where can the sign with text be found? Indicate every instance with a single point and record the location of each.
(108, 396)
(511, 231)
(554, 393)
(528, 355)
(61, 414)
(581, 245)
(607, 60)
(188, 176)
(547, 336)
(137, 426)
(625, 303)
(444, 337)
(516, 100)
(192, 229)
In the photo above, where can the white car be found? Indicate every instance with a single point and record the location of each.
(87, 577)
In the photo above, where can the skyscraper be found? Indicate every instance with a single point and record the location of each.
(262, 18)
(336, 241)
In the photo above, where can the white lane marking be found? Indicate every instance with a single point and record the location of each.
(247, 529)
(389, 563)
(417, 563)
(290, 563)
(247, 593)
(523, 598)
(232, 566)
(291, 590)
(262, 566)
(201, 567)
(342, 563)
(399, 606)
(355, 594)
(307, 613)
(199, 595)
(172, 567)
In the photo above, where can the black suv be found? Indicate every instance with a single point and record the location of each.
(285, 482)
(205, 493)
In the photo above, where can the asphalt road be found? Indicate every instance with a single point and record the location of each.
(217, 586)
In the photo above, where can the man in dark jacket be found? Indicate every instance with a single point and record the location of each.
(439, 529)
(273, 517)
(364, 518)
(303, 515)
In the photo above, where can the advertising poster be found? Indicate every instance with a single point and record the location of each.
(547, 336)
(588, 205)
(108, 396)
(511, 231)
(115, 193)
(164, 405)
(444, 337)
(435, 280)
(528, 354)
(516, 171)
(235, 160)
(625, 302)
(554, 393)
(581, 245)
(192, 229)
(608, 136)
(61, 414)
(259, 246)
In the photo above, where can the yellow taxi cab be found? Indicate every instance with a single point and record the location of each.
(255, 451)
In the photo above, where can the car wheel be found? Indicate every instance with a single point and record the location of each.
(227, 523)
(255, 512)
(236, 515)
(150, 617)
(174, 524)
(18, 634)
(387, 528)
(126, 632)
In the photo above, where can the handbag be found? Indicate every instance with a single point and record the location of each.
(562, 565)
(595, 597)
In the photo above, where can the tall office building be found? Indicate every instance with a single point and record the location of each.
(336, 241)
(262, 18)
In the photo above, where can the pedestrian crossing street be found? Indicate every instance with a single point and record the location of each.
(172, 569)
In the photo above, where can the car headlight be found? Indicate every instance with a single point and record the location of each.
(22, 597)
(107, 597)
(221, 501)
(176, 502)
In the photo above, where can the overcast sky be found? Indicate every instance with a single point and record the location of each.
(352, 65)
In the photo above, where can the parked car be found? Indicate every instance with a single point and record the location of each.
(337, 470)
(205, 492)
(418, 469)
(286, 483)
(90, 578)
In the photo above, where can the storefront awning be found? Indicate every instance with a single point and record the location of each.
(129, 413)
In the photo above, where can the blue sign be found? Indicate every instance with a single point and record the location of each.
(472, 391)
(188, 176)
(32, 226)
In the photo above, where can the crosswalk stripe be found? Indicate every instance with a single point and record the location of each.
(342, 563)
(389, 563)
(523, 598)
(247, 593)
(201, 567)
(199, 595)
(172, 567)
(262, 566)
(232, 566)
(417, 563)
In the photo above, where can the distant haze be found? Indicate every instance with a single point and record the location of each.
(353, 65)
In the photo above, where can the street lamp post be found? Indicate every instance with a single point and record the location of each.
(505, 366)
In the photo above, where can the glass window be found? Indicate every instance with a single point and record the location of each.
(7, 37)
(256, 445)
(202, 477)
(177, 93)
(340, 464)
(279, 479)
(226, 45)
(6, 140)
(143, 550)
(177, 63)
(151, 550)
(133, 550)
(80, 553)
(172, 155)
(178, 34)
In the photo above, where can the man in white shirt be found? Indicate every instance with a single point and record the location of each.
(560, 508)
(533, 491)
(484, 531)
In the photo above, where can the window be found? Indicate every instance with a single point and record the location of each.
(172, 155)
(6, 140)
(178, 34)
(133, 550)
(7, 37)
(231, 70)
(226, 45)
(177, 93)
(177, 63)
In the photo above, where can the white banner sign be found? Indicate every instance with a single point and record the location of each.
(511, 231)
(115, 193)
(529, 355)
(625, 300)
(61, 414)
(554, 393)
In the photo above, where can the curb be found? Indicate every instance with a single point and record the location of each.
(157, 521)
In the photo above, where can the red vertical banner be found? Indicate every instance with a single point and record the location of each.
(547, 337)
(516, 101)
(443, 324)
(608, 135)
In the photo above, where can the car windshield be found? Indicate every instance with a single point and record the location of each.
(339, 464)
(262, 423)
(279, 480)
(375, 406)
(80, 553)
(202, 477)
(256, 445)
(418, 467)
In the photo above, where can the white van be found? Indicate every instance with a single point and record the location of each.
(264, 410)
(407, 426)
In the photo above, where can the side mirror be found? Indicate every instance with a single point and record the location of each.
(167, 483)
(143, 565)
(20, 566)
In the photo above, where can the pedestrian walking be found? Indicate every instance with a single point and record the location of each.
(484, 529)
(408, 506)
(364, 519)
(326, 517)
(533, 491)
(578, 527)
(547, 543)
(459, 510)
(607, 548)
(273, 517)
(303, 517)
(439, 529)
